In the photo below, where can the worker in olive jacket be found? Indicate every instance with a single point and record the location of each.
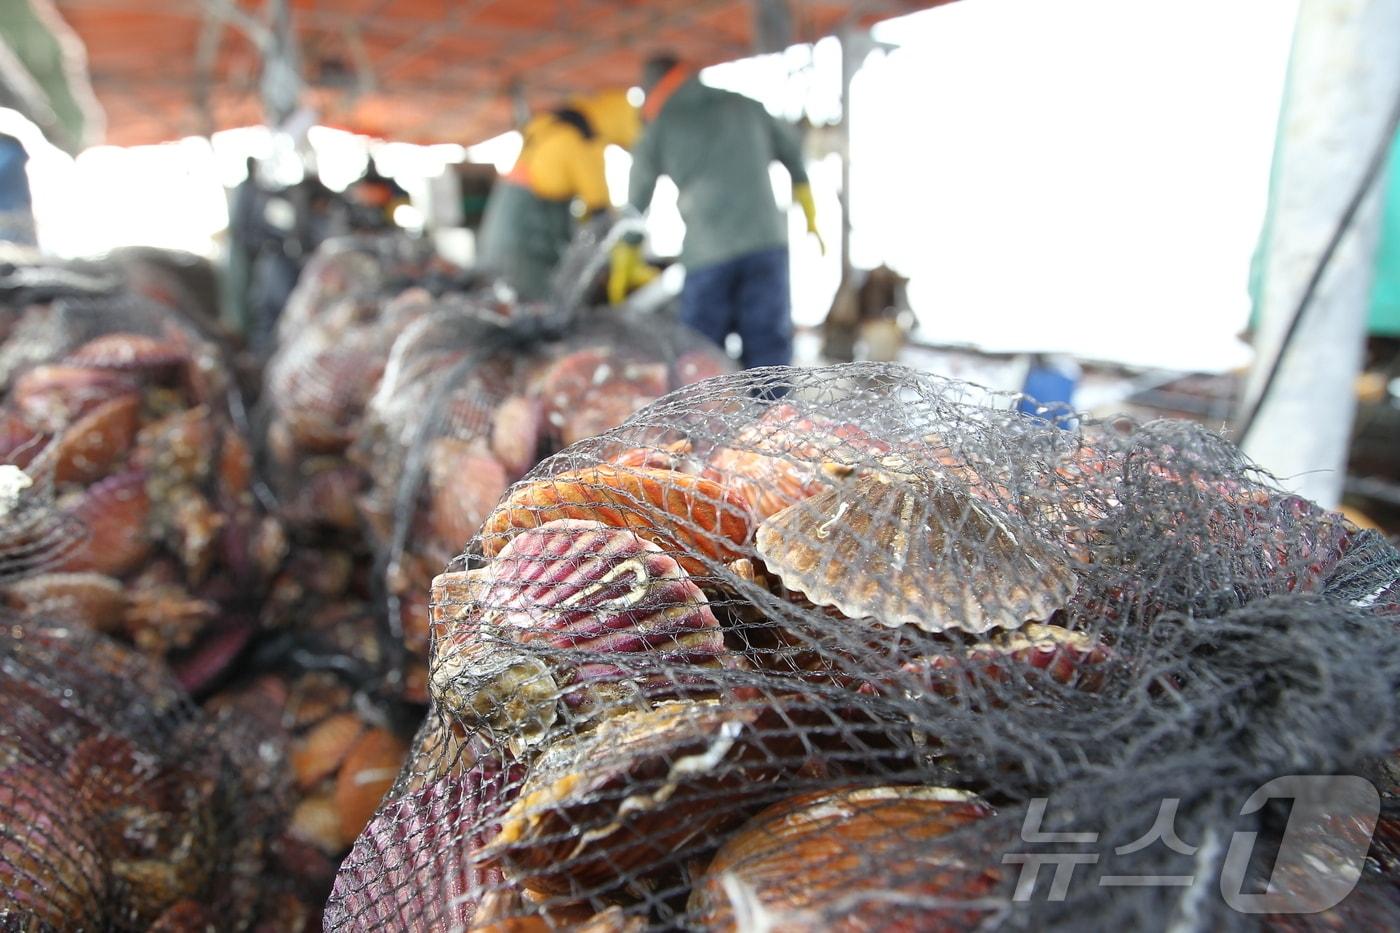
(717, 147)
(529, 217)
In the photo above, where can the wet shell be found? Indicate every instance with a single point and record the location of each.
(129, 352)
(89, 599)
(689, 517)
(905, 551)
(52, 397)
(515, 433)
(621, 617)
(50, 865)
(888, 858)
(785, 456)
(640, 793)
(368, 772)
(416, 863)
(465, 483)
(319, 753)
(97, 441)
(115, 511)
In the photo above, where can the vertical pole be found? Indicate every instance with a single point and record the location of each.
(853, 52)
(1343, 77)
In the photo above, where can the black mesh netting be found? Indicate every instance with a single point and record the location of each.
(836, 648)
(470, 400)
(121, 806)
(130, 487)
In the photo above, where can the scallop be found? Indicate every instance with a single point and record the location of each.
(896, 857)
(690, 517)
(906, 550)
(576, 611)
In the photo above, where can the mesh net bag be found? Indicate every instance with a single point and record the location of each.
(471, 399)
(846, 648)
(121, 807)
(124, 422)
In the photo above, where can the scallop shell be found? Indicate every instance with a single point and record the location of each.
(689, 517)
(465, 482)
(52, 397)
(907, 551)
(1073, 659)
(51, 868)
(675, 455)
(369, 770)
(115, 512)
(416, 866)
(621, 617)
(97, 441)
(89, 599)
(783, 456)
(850, 859)
(319, 753)
(637, 794)
(515, 433)
(130, 353)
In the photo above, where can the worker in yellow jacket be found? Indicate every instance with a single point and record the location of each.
(529, 217)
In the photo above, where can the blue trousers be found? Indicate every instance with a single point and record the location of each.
(748, 296)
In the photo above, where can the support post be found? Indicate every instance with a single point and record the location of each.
(1343, 78)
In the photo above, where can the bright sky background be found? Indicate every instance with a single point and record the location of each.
(1085, 176)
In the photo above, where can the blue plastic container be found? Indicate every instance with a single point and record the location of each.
(1050, 384)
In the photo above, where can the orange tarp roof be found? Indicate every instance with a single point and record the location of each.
(413, 70)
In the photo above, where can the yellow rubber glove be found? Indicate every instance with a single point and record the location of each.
(802, 194)
(628, 271)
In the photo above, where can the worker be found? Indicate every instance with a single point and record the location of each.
(717, 146)
(528, 220)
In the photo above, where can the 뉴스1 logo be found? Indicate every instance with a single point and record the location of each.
(1316, 867)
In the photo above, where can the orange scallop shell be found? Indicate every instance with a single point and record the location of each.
(780, 458)
(97, 441)
(368, 772)
(689, 517)
(320, 752)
